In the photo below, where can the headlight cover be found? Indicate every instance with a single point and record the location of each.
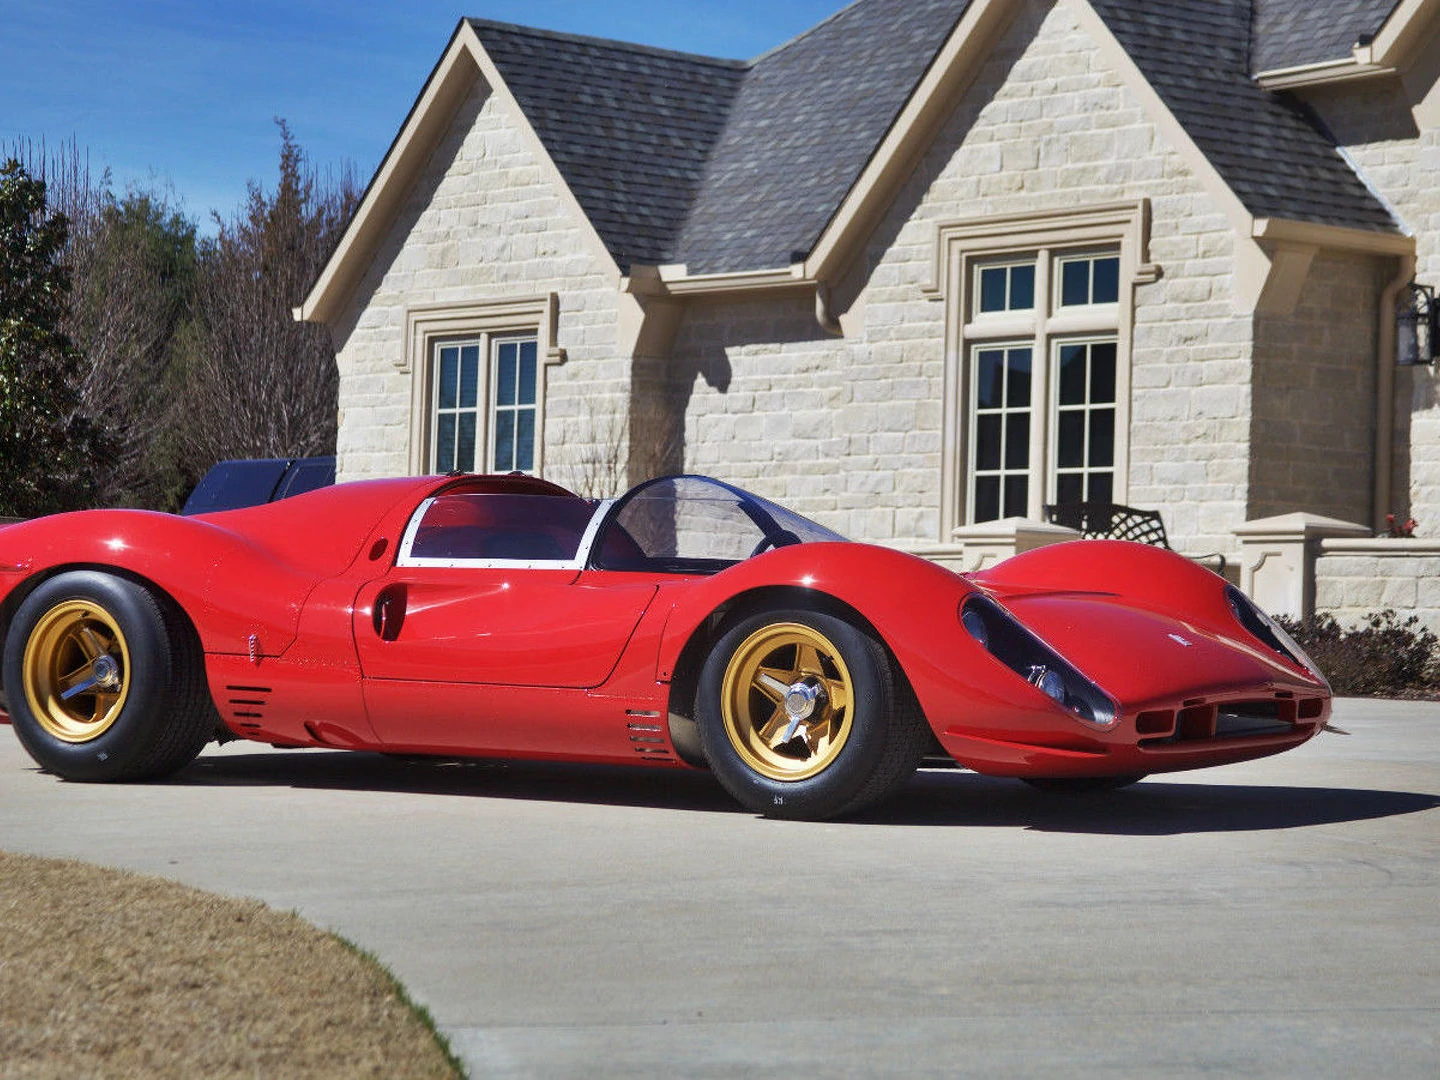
(1270, 633)
(1001, 635)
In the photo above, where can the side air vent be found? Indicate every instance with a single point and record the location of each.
(647, 736)
(246, 705)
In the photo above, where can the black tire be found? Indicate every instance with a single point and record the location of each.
(1082, 785)
(105, 680)
(839, 759)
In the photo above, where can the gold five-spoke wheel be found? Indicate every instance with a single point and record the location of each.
(76, 671)
(787, 701)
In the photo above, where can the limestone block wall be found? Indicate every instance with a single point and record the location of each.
(1354, 578)
(486, 222)
(1391, 130)
(850, 431)
(1312, 428)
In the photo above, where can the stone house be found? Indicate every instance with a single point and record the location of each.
(926, 268)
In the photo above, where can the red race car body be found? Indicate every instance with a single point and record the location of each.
(688, 623)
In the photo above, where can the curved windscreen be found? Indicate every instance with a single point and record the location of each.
(695, 525)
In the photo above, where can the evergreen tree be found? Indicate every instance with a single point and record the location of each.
(48, 450)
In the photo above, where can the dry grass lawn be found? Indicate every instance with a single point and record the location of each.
(110, 974)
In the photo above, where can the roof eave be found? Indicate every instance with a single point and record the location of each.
(463, 61)
(441, 94)
(1347, 69)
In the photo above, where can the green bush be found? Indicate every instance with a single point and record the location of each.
(1386, 656)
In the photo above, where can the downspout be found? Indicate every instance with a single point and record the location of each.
(1385, 392)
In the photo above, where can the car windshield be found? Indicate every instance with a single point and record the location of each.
(696, 525)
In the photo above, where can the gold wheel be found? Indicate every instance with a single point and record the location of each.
(76, 671)
(786, 701)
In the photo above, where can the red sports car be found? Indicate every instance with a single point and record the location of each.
(687, 624)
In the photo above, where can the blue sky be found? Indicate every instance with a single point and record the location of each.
(185, 92)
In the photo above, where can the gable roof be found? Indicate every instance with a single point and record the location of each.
(629, 127)
(791, 132)
(1273, 153)
(749, 168)
(1294, 33)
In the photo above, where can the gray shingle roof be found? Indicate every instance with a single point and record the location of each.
(629, 127)
(1274, 155)
(732, 166)
(1289, 33)
(806, 122)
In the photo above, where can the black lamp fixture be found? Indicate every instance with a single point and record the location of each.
(1417, 326)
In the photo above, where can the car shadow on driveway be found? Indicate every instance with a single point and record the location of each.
(934, 797)
(1155, 807)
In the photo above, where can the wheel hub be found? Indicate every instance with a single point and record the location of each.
(801, 700)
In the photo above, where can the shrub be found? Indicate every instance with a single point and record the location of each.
(1386, 656)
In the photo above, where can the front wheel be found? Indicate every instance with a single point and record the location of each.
(800, 716)
(102, 683)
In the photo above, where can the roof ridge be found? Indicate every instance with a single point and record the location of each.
(612, 44)
(805, 33)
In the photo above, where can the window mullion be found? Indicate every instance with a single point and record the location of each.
(1040, 390)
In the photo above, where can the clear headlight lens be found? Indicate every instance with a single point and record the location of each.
(1001, 635)
(1271, 633)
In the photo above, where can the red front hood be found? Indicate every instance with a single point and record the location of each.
(1142, 656)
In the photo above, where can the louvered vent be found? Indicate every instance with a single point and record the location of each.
(647, 737)
(246, 705)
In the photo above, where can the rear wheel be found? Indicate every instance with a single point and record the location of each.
(103, 682)
(800, 716)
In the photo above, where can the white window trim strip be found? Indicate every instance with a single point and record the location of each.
(582, 554)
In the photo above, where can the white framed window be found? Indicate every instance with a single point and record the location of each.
(478, 384)
(1038, 327)
(484, 413)
(1000, 430)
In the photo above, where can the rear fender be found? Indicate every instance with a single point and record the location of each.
(230, 589)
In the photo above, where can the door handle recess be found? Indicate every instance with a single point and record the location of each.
(389, 614)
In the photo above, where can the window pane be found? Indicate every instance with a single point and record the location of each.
(445, 443)
(1075, 282)
(1072, 374)
(527, 373)
(1017, 385)
(449, 376)
(1017, 496)
(992, 288)
(469, 375)
(504, 441)
(987, 442)
(1102, 373)
(1070, 488)
(525, 439)
(1070, 451)
(990, 380)
(465, 443)
(1017, 440)
(1107, 281)
(1102, 438)
(1022, 288)
(505, 373)
(1102, 487)
(987, 498)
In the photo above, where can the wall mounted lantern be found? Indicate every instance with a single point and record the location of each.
(1417, 326)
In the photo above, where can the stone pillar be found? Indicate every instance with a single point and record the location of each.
(978, 547)
(1277, 559)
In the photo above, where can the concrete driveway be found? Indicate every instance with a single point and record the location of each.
(1279, 918)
